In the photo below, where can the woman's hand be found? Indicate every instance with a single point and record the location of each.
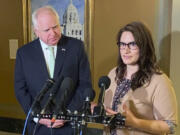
(110, 111)
(151, 126)
(93, 104)
(130, 117)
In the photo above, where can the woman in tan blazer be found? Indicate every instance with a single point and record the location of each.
(139, 90)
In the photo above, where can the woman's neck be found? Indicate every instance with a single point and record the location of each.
(131, 69)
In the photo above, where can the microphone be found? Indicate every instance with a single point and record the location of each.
(52, 94)
(35, 107)
(89, 94)
(66, 89)
(104, 83)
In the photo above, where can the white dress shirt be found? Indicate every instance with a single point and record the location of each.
(46, 52)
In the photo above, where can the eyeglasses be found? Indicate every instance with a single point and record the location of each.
(130, 45)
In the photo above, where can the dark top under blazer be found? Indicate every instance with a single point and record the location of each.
(31, 74)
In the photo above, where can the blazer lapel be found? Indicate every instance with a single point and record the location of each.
(40, 60)
(60, 57)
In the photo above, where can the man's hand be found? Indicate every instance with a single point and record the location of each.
(49, 124)
(58, 123)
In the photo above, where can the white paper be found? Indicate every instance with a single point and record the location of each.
(13, 46)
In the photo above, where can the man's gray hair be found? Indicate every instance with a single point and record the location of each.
(36, 12)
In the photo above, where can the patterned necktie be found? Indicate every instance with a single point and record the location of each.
(51, 61)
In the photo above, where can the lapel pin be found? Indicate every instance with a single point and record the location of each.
(63, 49)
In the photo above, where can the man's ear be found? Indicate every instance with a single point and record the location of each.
(36, 32)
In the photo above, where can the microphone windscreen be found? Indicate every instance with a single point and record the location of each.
(89, 92)
(66, 90)
(67, 83)
(104, 81)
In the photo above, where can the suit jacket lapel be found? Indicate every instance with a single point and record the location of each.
(40, 60)
(60, 56)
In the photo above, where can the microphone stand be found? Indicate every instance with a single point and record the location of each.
(80, 127)
(76, 126)
(86, 112)
(99, 109)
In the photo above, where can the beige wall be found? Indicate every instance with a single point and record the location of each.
(109, 17)
(175, 52)
(10, 28)
(162, 37)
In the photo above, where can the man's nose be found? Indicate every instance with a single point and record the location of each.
(52, 31)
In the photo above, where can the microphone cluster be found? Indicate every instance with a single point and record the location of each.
(36, 104)
(66, 87)
(63, 86)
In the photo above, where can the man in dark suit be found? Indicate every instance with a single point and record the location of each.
(33, 67)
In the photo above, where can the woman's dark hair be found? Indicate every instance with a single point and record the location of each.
(147, 59)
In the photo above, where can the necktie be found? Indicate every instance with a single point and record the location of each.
(51, 61)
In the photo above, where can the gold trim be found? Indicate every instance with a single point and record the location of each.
(89, 17)
(26, 4)
(24, 10)
(29, 24)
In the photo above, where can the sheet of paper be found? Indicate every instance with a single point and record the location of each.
(13, 46)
